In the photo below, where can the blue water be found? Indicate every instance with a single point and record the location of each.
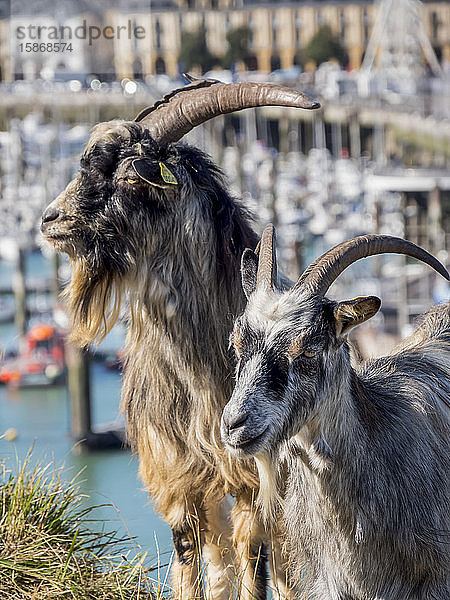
(41, 417)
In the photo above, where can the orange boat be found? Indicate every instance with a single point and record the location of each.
(41, 362)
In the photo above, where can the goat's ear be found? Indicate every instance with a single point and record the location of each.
(350, 313)
(249, 269)
(154, 172)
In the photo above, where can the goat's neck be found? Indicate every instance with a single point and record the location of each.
(341, 423)
(185, 314)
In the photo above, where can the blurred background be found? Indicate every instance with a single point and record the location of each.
(374, 159)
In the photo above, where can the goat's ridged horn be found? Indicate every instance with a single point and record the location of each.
(169, 119)
(267, 260)
(319, 276)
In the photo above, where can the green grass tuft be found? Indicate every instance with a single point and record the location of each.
(47, 550)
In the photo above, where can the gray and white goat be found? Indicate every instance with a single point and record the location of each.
(367, 501)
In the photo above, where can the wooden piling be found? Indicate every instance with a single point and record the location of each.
(20, 296)
(78, 374)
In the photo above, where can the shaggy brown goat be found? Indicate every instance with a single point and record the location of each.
(367, 500)
(151, 220)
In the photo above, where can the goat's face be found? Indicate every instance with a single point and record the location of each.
(125, 185)
(134, 217)
(290, 348)
(284, 353)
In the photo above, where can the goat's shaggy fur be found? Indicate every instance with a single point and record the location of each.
(367, 501)
(381, 498)
(173, 251)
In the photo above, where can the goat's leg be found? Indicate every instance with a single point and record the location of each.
(248, 541)
(209, 532)
(197, 526)
(218, 551)
(188, 532)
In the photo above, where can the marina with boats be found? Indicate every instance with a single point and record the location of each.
(375, 159)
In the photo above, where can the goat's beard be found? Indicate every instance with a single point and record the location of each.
(269, 498)
(93, 302)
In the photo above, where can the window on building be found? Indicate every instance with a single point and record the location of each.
(275, 62)
(251, 27)
(252, 63)
(320, 19)
(435, 24)
(366, 25)
(158, 33)
(138, 72)
(160, 66)
(274, 29)
(342, 24)
(297, 30)
(5, 9)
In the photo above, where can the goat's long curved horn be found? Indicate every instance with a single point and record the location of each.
(319, 276)
(169, 119)
(267, 260)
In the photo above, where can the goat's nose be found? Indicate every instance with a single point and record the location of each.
(51, 213)
(233, 421)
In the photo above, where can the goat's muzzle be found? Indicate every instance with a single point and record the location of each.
(51, 218)
(241, 434)
(51, 213)
(56, 225)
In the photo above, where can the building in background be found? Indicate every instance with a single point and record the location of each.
(278, 32)
(28, 30)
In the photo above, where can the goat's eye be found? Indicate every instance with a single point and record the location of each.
(132, 180)
(309, 353)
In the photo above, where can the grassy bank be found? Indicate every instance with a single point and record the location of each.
(48, 551)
